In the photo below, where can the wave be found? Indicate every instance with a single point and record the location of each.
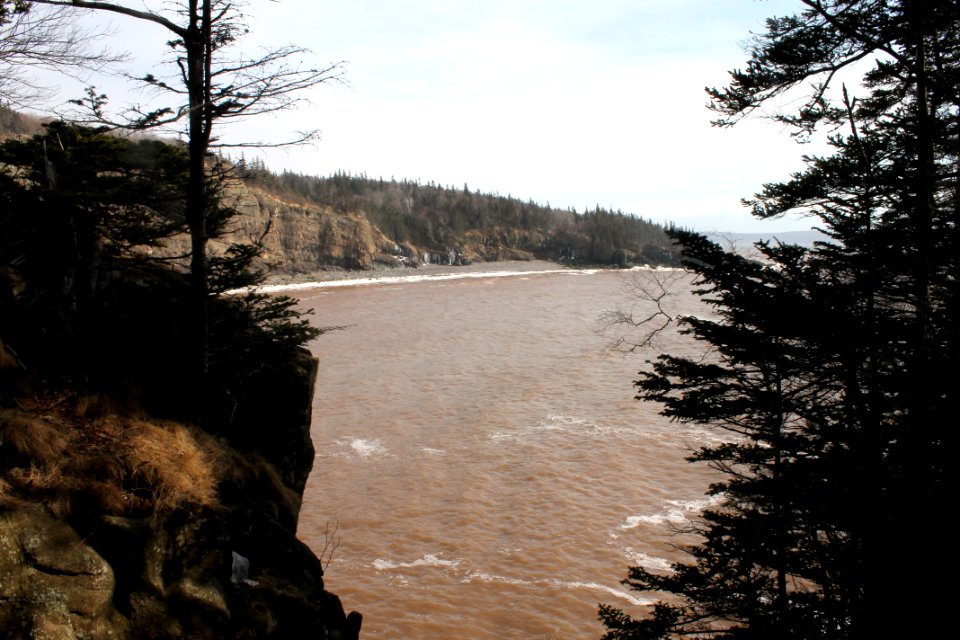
(641, 559)
(363, 447)
(431, 560)
(432, 451)
(428, 560)
(617, 593)
(560, 424)
(388, 280)
(488, 577)
(674, 512)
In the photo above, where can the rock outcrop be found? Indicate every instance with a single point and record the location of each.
(229, 569)
(303, 237)
(153, 450)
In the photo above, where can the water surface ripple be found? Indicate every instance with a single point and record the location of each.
(491, 473)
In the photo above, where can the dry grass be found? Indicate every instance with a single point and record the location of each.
(28, 439)
(99, 408)
(177, 464)
(83, 457)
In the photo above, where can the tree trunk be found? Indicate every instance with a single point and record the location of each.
(196, 44)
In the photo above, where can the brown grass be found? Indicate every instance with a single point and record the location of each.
(81, 456)
(99, 407)
(27, 439)
(176, 463)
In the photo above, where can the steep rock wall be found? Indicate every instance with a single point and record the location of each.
(231, 569)
(298, 237)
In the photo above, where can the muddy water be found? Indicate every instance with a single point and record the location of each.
(481, 450)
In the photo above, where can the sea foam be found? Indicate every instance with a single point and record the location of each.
(428, 560)
(674, 512)
(641, 559)
(566, 584)
(363, 447)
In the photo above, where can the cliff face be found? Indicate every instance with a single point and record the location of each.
(87, 561)
(120, 516)
(300, 237)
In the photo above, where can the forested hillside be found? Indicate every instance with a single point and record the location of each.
(353, 222)
(432, 223)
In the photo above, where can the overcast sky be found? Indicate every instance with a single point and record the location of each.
(567, 102)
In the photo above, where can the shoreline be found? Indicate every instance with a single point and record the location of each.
(386, 275)
(381, 271)
(426, 273)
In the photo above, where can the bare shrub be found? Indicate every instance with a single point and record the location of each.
(331, 542)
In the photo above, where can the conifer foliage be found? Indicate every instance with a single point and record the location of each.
(832, 368)
(93, 294)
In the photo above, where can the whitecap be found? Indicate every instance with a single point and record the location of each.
(674, 512)
(436, 277)
(559, 425)
(431, 451)
(492, 578)
(363, 447)
(428, 560)
(487, 577)
(641, 559)
(393, 280)
(617, 593)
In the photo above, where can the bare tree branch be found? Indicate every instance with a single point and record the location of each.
(208, 89)
(45, 39)
(647, 309)
(116, 8)
(331, 541)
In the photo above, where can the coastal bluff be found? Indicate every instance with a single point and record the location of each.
(154, 430)
(115, 525)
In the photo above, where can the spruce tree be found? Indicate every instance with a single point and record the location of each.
(834, 368)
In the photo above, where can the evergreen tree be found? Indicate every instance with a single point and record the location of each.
(833, 368)
(93, 296)
(210, 85)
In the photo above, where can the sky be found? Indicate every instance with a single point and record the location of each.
(574, 103)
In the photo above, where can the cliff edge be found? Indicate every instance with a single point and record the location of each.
(154, 433)
(116, 525)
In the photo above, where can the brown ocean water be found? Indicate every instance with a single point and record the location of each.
(481, 450)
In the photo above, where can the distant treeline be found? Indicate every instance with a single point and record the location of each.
(440, 219)
(454, 224)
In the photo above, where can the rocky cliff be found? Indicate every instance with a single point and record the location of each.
(301, 237)
(114, 525)
(298, 236)
(120, 517)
